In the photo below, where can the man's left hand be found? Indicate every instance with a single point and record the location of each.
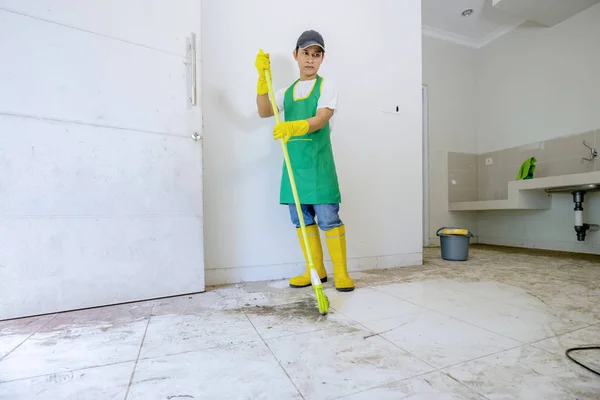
(285, 130)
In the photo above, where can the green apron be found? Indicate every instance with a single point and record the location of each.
(311, 155)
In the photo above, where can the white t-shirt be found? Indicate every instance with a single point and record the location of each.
(328, 97)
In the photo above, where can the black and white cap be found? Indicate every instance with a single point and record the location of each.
(310, 38)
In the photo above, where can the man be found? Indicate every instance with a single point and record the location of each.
(308, 105)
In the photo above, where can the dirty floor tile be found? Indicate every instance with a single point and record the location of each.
(440, 340)
(107, 382)
(72, 348)
(174, 334)
(493, 327)
(527, 373)
(433, 386)
(586, 337)
(293, 318)
(342, 361)
(368, 304)
(246, 371)
(13, 333)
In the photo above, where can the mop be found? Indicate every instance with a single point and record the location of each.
(322, 300)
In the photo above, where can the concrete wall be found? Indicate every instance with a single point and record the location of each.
(449, 73)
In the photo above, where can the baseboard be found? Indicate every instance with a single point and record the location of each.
(573, 247)
(284, 271)
(434, 241)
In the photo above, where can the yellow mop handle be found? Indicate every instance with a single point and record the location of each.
(290, 173)
(322, 300)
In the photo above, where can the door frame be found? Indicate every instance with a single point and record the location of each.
(425, 116)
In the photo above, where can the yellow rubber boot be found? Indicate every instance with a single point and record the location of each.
(314, 241)
(336, 242)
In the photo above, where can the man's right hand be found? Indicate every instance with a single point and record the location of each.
(262, 63)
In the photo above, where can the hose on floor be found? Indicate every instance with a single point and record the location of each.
(577, 362)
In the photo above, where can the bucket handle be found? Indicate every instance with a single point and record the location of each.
(450, 227)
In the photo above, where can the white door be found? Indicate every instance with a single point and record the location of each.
(100, 176)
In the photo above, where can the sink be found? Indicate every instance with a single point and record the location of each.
(588, 187)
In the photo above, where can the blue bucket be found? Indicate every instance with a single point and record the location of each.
(455, 247)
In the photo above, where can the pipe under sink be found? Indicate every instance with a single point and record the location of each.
(588, 187)
(578, 192)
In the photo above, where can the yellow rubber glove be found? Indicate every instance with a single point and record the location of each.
(285, 130)
(262, 63)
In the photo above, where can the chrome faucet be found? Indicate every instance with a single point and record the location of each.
(593, 153)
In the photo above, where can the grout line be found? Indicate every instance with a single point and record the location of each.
(440, 370)
(389, 341)
(29, 337)
(139, 353)
(480, 357)
(386, 331)
(75, 122)
(386, 384)
(527, 307)
(533, 344)
(274, 356)
(67, 371)
(415, 377)
(464, 384)
(522, 345)
(443, 369)
(458, 319)
(561, 356)
(394, 344)
(216, 347)
(260, 338)
(412, 354)
(500, 302)
(91, 32)
(303, 333)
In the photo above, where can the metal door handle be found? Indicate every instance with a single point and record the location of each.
(194, 98)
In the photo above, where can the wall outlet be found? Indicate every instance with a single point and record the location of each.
(392, 109)
(488, 161)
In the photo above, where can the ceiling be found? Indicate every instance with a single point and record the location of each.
(443, 19)
(548, 13)
(492, 18)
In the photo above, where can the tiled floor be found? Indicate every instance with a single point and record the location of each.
(495, 327)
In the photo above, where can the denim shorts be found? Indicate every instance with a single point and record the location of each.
(327, 215)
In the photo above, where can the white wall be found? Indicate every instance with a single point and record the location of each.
(449, 73)
(535, 84)
(374, 56)
(538, 83)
